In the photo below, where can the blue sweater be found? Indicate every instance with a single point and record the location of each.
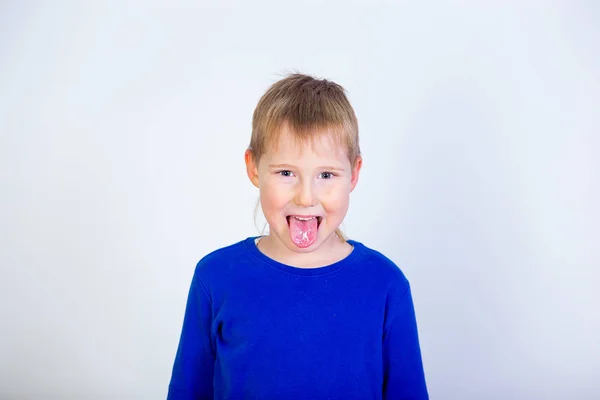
(258, 329)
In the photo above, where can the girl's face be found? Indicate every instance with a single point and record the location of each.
(304, 192)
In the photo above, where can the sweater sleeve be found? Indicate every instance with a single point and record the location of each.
(404, 377)
(192, 376)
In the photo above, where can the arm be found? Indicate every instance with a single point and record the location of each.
(193, 369)
(404, 377)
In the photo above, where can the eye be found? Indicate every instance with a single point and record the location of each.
(285, 173)
(327, 175)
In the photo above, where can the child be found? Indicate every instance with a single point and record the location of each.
(301, 313)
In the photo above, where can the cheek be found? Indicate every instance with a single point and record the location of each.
(335, 198)
(272, 197)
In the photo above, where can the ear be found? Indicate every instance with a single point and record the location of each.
(251, 167)
(355, 172)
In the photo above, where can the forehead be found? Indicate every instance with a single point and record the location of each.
(320, 145)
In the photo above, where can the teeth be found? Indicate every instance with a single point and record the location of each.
(304, 219)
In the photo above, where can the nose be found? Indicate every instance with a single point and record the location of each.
(305, 195)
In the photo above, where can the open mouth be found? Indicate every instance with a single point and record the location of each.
(304, 219)
(303, 229)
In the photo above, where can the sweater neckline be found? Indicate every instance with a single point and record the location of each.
(357, 249)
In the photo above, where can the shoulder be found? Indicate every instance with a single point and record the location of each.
(383, 272)
(222, 261)
(378, 263)
(223, 254)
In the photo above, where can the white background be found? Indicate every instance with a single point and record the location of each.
(122, 132)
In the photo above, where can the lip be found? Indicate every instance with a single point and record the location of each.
(318, 217)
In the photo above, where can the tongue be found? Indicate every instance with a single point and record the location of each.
(303, 233)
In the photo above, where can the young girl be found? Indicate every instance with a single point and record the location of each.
(301, 313)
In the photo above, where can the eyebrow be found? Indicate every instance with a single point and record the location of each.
(288, 166)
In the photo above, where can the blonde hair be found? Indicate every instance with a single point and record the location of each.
(308, 107)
